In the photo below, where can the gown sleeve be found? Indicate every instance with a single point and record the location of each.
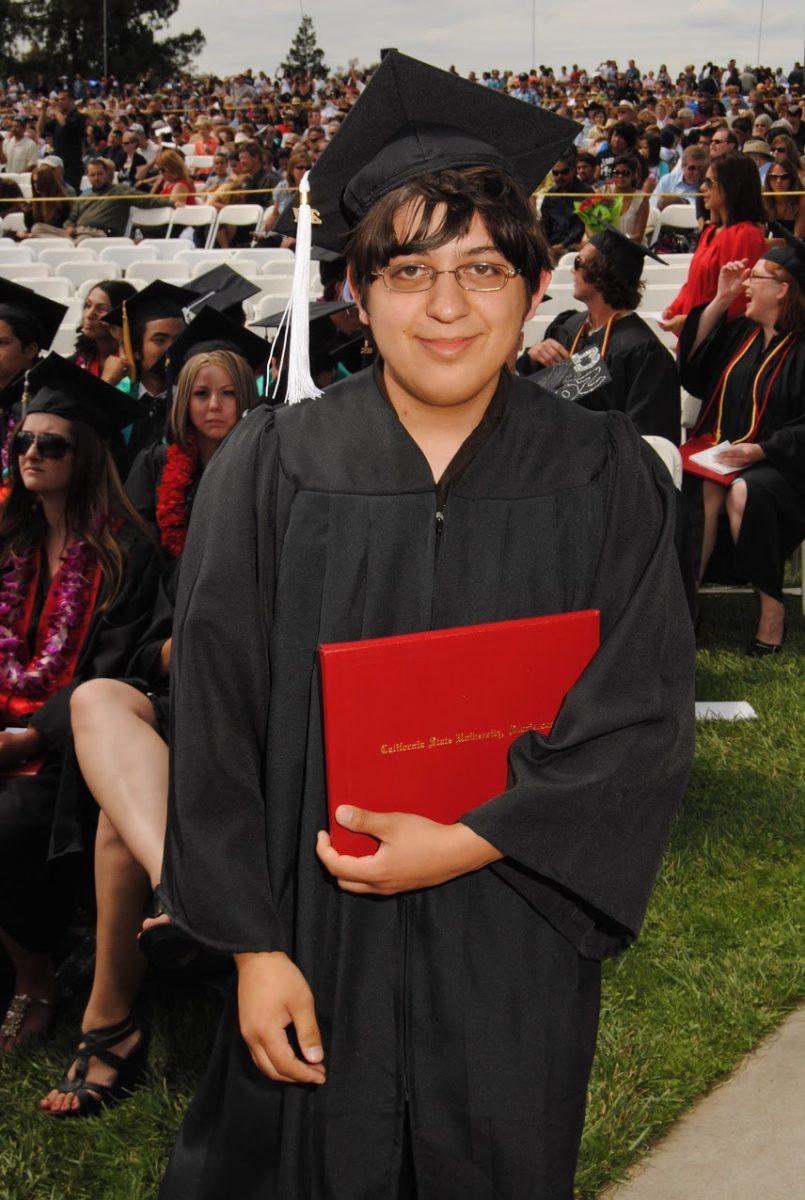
(143, 479)
(700, 370)
(145, 662)
(586, 813)
(652, 392)
(218, 716)
(111, 639)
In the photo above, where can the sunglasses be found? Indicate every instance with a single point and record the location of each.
(48, 445)
(778, 175)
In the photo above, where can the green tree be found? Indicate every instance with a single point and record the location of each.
(304, 55)
(13, 28)
(66, 38)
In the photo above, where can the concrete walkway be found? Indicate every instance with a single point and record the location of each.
(744, 1141)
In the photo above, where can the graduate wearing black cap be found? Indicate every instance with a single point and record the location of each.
(643, 380)
(444, 993)
(750, 376)
(149, 323)
(224, 290)
(338, 348)
(78, 577)
(28, 325)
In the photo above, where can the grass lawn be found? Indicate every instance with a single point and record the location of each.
(719, 964)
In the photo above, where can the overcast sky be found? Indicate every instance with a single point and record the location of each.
(478, 34)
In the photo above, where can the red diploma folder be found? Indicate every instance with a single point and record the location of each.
(422, 723)
(693, 446)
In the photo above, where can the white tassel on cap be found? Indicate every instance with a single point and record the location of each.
(297, 312)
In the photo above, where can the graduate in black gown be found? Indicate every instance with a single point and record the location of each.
(335, 351)
(644, 382)
(78, 577)
(441, 998)
(28, 325)
(750, 375)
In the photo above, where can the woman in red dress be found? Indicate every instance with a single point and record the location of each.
(731, 191)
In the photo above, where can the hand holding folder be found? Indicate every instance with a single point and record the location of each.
(422, 723)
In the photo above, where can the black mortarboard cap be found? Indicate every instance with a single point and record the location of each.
(414, 119)
(210, 330)
(626, 256)
(60, 387)
(222, 288)
(317, 311)
(45, 314)
(158, 301)
(791, 256)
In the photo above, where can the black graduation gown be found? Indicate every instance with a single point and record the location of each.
(645, 382)
(143, 480)
(147, 430)
(471, 1006)
(774, 517)
(41, 816)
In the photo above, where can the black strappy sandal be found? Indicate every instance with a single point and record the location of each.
(96, 1043)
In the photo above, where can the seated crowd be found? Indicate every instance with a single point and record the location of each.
(103, 454)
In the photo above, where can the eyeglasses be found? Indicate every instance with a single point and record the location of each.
(778, 149)
(708, 181)
(578, 263)
(622, 174)
(472, 277)
(778, 175)
(48, 445)
(692, 167)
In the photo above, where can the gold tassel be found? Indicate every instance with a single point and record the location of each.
(128, 350)
(26, 393)
(367, 349)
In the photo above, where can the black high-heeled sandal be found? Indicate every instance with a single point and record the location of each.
(97, 1043)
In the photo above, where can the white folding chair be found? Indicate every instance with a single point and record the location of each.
(188, 149)
(242, 216)
(16, 254)
(124, 256)
(691, 407)
(14, 223)
(22, 180)
(534, 330)
(54, 289)
(197, 261)
(669, 454)
(561, 301)
(148, 218)
(166, 248)
(657, 297)
(23, 272)
(192, 216)
(68, 253)
(64, 341)
(91, 273)
(199, 162)
(567, 259)
(38, 245)
(679, 216)
(157, 269)
(268, 303)
(266, 254)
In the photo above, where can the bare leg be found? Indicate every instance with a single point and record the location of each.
(125, 764)
(771, 620)
(121, 888)
(34, 976)
(713, 499)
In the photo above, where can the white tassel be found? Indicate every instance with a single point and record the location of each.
(300, 381)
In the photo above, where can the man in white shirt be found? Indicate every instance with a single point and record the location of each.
(19, 152)
(684, 182)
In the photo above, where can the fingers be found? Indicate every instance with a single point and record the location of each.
(360, 820)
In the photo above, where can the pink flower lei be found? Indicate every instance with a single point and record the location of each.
(74, 586)
(5, 447)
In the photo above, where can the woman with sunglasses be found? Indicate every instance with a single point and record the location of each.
(731, 193)
(789, 211)
(750, 374)
(628, 176)
(120, 729)
(78, 579)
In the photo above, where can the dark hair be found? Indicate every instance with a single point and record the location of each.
(627, 131)
(632, 162)
(653, 145)
(252, 148)
(791, 318)
(117, 290)
(616, 291)
(507, 212)
(586, 157)
(26, 328)
(791, 167)
(739, 180)
(96, 503)
(742, 124)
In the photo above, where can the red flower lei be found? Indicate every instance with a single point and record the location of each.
(181, 468)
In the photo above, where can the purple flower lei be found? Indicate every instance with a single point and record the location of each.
(5, 447)
(73, 583)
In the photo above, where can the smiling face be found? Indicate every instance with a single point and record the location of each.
(445, 346)
(764, 294)
(46, 476)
